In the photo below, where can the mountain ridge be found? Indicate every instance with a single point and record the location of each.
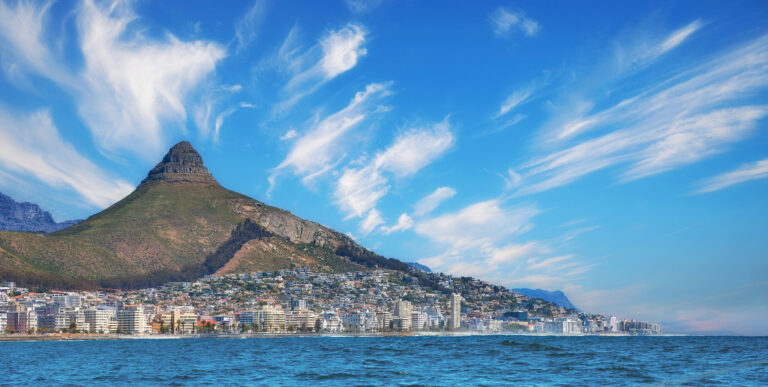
(26, 216)
(167, 228)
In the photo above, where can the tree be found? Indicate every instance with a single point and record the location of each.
(318, 325)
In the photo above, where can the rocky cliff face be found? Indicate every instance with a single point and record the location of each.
(181, 164)
(15, 216)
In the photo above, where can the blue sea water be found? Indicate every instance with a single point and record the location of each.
(467, 360)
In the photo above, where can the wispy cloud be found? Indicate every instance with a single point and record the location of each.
(337, 52)
(247, 28)
(129, 86)
(362, 6)
(515, 99)
(484, 239)
(505, 20)
(30, 144)
(359, 189)
(431, 201)
(404, 222)
(677, 121)
(320, 148)
(649, 49)
(371, 222)
(22, 29)
(744, 173)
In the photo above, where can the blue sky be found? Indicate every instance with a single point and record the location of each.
(616, 151)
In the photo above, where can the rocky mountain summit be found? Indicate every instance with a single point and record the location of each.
(182, 163)
(15, 216)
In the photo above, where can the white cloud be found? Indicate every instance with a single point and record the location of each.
(744, 173)
(515, 99)
(246, 29)
(371, 222)
(504, 20)
(319, 149)
(677, 121)
(22, 29)
(513, 252)
(404, 222)
(336, 53)
(416, 148)
(359, 189)
(130, 87)
(362, 6)
(431, 201)
(342, 49)
(289, 135)
(677, 37)
(478, 225)
(482, 239)
(31, 145)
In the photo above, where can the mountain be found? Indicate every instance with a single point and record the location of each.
(15, 216)
(556, 297)
(178, 224)
(419, 266)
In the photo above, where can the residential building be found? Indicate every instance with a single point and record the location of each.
(131, 319)
(455, 302)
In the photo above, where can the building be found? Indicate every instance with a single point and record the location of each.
(383, 319)
(331, 322)
(455, 320)
(271, 319)
(419, 320)
(21, 321)
(300, 319)
(297, 304)
(402, 318)
(131, 319)
(3, 321)
(97, 320)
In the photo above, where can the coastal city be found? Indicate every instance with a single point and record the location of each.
(300, 302)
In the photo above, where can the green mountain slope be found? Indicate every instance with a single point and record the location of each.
(178, 224)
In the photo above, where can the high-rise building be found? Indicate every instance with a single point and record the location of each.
(455, 302)
(402, 316)
(131, 319)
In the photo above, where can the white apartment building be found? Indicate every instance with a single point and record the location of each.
(419, 320)
(97, 320)
(455, 302)
(131, 319)
(402, 318)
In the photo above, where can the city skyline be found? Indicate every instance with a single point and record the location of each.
(614, 152)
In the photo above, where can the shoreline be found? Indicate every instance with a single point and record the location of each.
(96, 337)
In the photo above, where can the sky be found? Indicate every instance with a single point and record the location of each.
(614, 150)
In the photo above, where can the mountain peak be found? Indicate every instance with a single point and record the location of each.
(182, 163)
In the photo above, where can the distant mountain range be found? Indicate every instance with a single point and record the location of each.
(556, 297)
(24, 216)
(418, 266)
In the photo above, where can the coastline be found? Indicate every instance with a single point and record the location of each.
(96, 337)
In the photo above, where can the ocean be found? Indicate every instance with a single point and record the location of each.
(415, 360)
